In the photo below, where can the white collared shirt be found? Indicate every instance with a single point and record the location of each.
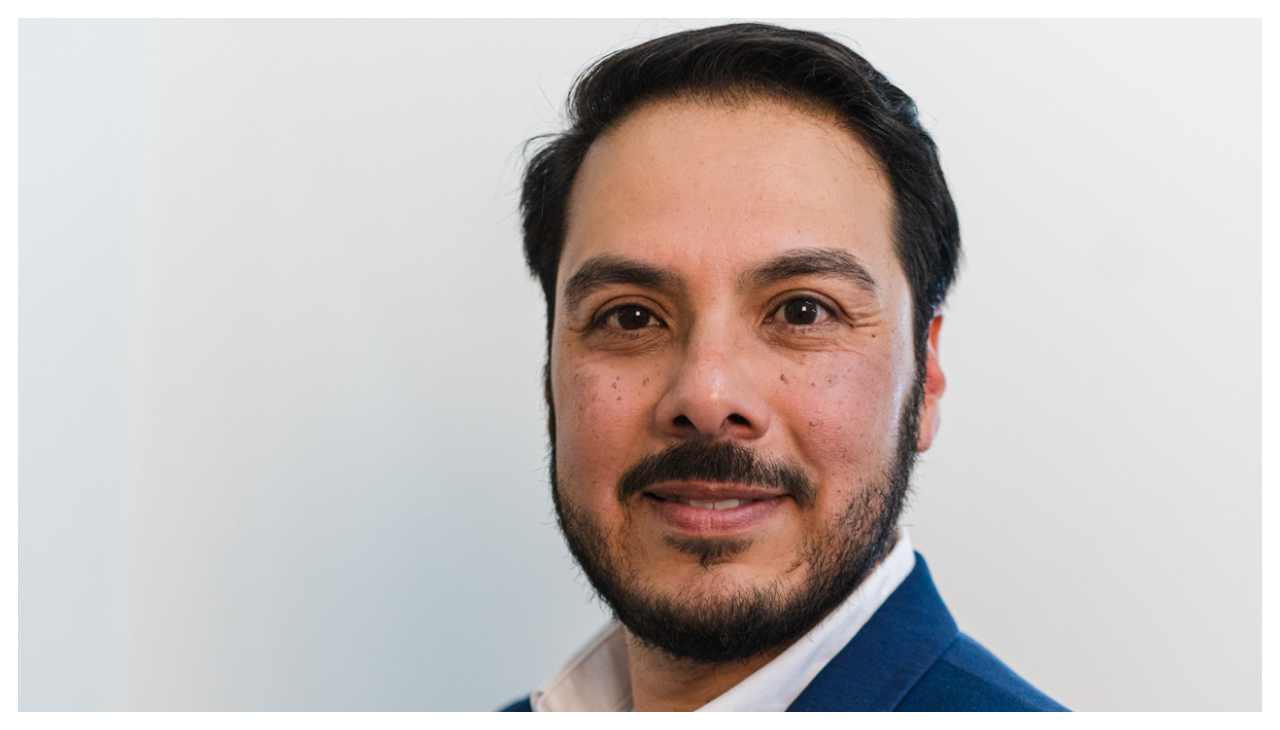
(598, 676)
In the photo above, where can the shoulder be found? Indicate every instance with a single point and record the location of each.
(968, 677)
(911, 656)
(521, 705)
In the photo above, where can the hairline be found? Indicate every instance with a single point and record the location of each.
(740, 95)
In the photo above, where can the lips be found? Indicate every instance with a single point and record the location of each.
(712, 508)
(722, 504)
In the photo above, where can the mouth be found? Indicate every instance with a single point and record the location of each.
(722, 504)
(708, 509)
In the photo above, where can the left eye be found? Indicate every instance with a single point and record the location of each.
(630, 317)
(803, 311)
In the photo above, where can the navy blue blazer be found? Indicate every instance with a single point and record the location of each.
(911, 657)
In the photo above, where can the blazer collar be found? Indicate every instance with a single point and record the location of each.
(886, 658)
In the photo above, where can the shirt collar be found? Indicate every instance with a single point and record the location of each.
(597, 678)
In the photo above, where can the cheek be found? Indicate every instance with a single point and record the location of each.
(841, 412)
(601, 417)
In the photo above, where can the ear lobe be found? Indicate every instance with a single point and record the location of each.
(934, 385)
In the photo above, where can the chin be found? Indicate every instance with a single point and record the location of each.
(713, 573)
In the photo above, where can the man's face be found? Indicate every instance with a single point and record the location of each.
(731, 360)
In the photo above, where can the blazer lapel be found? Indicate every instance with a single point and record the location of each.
(885, 659)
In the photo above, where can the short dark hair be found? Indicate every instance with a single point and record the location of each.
(739, 62)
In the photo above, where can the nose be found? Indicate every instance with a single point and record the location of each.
(712, 394)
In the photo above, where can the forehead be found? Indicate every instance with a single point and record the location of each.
(713, 187)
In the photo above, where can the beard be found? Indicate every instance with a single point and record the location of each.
(746, 622)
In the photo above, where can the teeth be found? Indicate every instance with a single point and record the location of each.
(722, 504)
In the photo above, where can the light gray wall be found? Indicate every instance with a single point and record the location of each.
(282, 444)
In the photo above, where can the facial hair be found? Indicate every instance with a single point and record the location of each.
(749, 621)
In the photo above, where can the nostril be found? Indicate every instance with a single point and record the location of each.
(683, 421)
(739, 420)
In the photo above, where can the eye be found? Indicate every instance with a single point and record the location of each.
(803, 311)
(628, 317)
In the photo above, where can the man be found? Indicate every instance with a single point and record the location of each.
(743, 239)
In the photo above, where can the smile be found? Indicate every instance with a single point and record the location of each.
(711, 509)
(722, 504)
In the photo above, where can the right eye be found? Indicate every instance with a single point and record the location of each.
(628, 317)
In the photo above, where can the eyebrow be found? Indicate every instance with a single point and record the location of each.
(832, 263)
(601, 271)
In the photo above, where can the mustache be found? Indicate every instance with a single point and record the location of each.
(721, 461)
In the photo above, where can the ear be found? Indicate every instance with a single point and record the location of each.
(934, 384)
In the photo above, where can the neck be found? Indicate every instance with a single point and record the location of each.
(662, 683)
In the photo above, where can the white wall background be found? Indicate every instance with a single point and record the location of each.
(282, 443)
